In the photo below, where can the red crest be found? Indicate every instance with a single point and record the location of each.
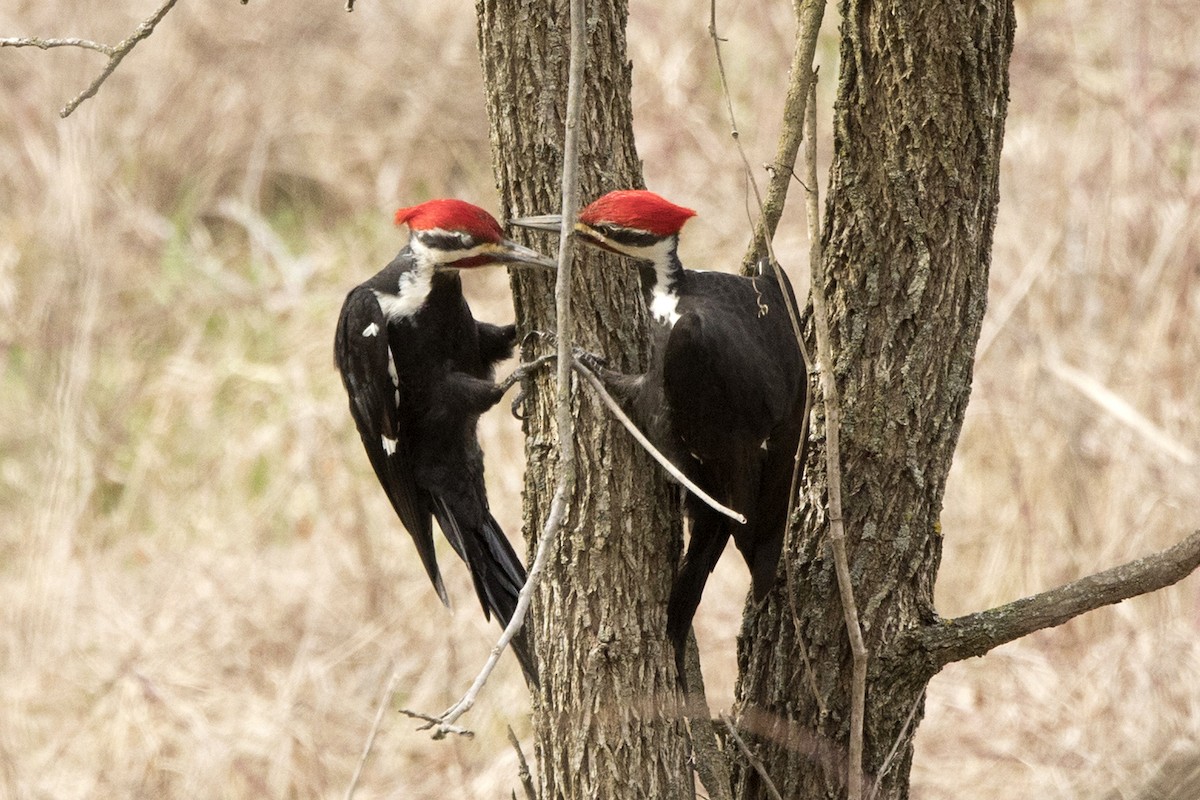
(637, 209)
(451, 215)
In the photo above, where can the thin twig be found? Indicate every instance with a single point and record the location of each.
(641, 439)
(522, 766)
(46, 44)
(833, 461)
(443, 724)
(809, 14)
(116, 53)
(797, 105)
(384, 699)
(753, 760)
(901, 737)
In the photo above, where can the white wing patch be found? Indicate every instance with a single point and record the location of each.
(392, 373)
(371, 330)
(389, 445)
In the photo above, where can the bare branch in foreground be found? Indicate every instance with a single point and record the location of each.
(809, 14)
(666, 464)
(443, 724)
(975, 634)
(116, 53)
(833, 467)
(752, 759)
(522, 766)
(384, 699)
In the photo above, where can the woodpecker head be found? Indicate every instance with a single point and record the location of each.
(631, 222)
(452, 234)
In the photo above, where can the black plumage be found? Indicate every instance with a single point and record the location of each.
(418, 369)
(723, 396)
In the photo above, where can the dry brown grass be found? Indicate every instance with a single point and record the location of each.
(201, 587)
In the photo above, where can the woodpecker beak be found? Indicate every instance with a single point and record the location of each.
(546, 222)
(517, 255)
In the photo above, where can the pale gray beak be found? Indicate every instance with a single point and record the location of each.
(545, 222)
(517, 255)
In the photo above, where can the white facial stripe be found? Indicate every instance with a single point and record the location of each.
(389, 445)
(432, 255)
(655, 253)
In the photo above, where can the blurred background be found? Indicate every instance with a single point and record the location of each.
(203, 589)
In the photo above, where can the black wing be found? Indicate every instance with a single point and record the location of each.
(368, 370)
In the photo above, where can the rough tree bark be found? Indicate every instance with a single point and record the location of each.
(918, 126)
(606, 719)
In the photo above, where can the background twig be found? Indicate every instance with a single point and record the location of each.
(116, 53)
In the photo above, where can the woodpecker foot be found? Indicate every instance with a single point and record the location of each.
(521, 374)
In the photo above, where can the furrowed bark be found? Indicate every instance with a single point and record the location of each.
(606, 717)
(913, 192)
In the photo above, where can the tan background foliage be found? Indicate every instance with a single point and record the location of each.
(202, 589)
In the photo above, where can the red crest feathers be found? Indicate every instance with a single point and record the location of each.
(637, 209)
(451, 215)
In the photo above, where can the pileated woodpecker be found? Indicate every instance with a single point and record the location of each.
(418, 369)
(723, 396)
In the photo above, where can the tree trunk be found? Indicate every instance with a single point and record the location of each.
(605, 717)
(918, 125)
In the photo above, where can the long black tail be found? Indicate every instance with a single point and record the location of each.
(496, 571)
(710, 533)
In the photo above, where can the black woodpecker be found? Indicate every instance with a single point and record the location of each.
(418, 369)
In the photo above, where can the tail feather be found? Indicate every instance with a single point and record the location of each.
(710, 533)
(496, 572)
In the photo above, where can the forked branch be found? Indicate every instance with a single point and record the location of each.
(975, 634)
(809, 14)
(116, 53)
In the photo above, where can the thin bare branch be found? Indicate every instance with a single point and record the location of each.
(808, 23)
(641, 439)
(710, 762)
(116, 53)
(384, 699)
(901, 737)
(522, 766)
(809, 14)
(752, 759)
(975, 634)
(833, 461)
(443, 724)
(47, 44)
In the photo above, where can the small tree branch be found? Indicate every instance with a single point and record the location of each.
(975, 634)
(47, 44)
(709, 760)
(443, 724)
(752, 759)
(384, 699)
(641, 439)
(809, 14)
(116, 53)
(833, 462)
(522, 766)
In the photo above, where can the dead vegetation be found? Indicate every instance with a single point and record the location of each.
(201, 588)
